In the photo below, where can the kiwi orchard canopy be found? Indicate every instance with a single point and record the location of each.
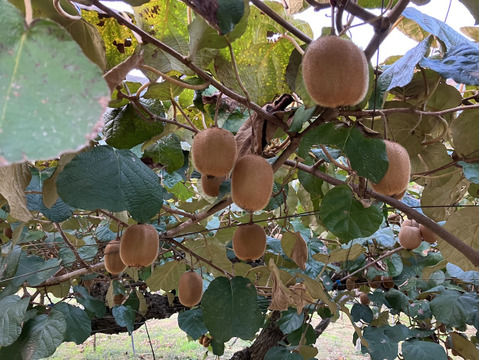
(263, 184)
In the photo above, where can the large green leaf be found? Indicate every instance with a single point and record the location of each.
(166, 276)
(56, 100)
(9, 262)
(125, 317)
(367, 156)
(455, 309)
(415, 349)
(346, 217)
(230, 309)
(125, 128)
(191, 321)
(39, 339)
(116, 180)
(12, 311)
(383, 340)
(465, 133)
(79, 326)
(35, 270)
(290, 321)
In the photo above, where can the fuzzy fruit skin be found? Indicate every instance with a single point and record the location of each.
(214, 151)
(395, 181)
(190, 289)
(249, 242)
(387, 282)
(410, 222)
(211, 184)
(427, 234)
(335, 72)
(252, 182)
(410, 237)
(364, 300)
(139, 245)
(113, 263)
(350, 284)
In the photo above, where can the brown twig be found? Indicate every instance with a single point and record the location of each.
(70, 245)
(177, 212)
(369, 113)
(281, 21)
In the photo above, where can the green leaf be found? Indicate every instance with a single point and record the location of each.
(41, 336)
(310, 182)
(383, 340)
(116, 180)
(470, 171)
(168, 152)
(229, 13)
(361, 312)
(341, 255)
(12, 312)
(464, 131)
(296, 336)
(79, 326)
(230, 309)
(9, 262)
(164, 90)
(455, 309)
(59, 211)
(58, 98)
(415, 349)
(367, 156)
(35, 270)
(346, 217)
(125, 128)
(464, 225)
(397, 299)
(301, 116)
(94, 307)
(166, 276)
(281, 353)
(290, 321)
(191, 321)
(125, 317)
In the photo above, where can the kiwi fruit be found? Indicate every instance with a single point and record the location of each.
(249, 242)
(364, 300)
(190, 289)
(214, 151)
(387, 282)
(395, 181)
(113, 262)
(118, 299)
(350, 284)
(427, 234)
(8, 232)
(139, 245)
(375, 282)
(410, 237)
(335, 72)
(252, 182)
(211, 184)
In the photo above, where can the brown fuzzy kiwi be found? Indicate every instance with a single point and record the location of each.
(335, 72)
(395, 181)
(410, 237)
(8, 232)
(387, 282)
(190, 289)
(427, 234)
(375, 282)
(211, 184)
(252, 182)
(139, 245)
(249, 242)
(113, 262)
(364, 300)
(350, 284)
(118, 299)
(409, 222)
(214, 151)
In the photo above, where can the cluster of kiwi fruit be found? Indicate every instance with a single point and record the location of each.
(412, 233)
(138, 247)
(214, 154)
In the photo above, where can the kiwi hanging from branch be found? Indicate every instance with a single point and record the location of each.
(139, 245)
(249, 242)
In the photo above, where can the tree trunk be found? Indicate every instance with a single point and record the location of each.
(268, 338)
